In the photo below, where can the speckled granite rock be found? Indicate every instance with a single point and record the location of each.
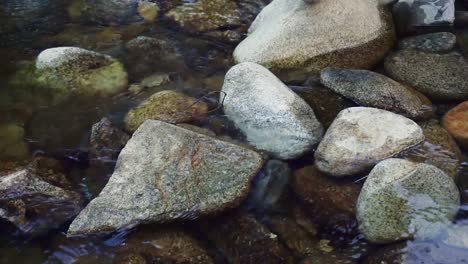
(376, 90)
(456, 122)
(402, 199)
(167, 173)
(168, 106)
(106, 140)
(438, 76)
(293, 38)
(72, 70)
(433, 42)
(108, 12)
(272, 116)
(360, 137)
(411, 14)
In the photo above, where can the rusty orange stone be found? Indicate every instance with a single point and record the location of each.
(456, 123)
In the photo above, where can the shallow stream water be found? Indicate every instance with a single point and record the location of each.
(62, 132)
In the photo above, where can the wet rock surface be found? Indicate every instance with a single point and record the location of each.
(37, 199)
(168, 106)
(108, 12)
(375, 90)
(12, 143)
(438, 76)
(294, 38)
(272, 117)
(456, 122)
(362, 136)
(106, 140)
(188, 175)
(402, 199)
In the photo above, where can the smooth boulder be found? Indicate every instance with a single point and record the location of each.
(294, 38)
(438, 42)
(372, 89)
(360, 137)
(403, 200)
(272, 117)
(456, 122)
(441, 77)
(73, 70)
(166, 173)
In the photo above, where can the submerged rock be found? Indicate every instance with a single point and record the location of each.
(328, 201)
(375, 90)
(360, 137)
(410, 14)
(402, 199)
(146, 55)
(12, 143)
(269, 186)
(168, 106)
(438, 76)
(108, 12)
(162, 245)
(456, 122)
(224, 20)
(439, 149)
(72, 70)
(433, 42)
(106, 140)
(272, 116)
(37, 200)
(294, 38)
(242, 239)
(183, 175)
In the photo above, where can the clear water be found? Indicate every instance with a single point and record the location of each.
(62, 132)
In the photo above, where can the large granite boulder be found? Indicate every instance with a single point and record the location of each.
(166, 173)
(294, 38)
(272, 116)
(360, 137)
(372, 89)
(438, 76)
(402, 199)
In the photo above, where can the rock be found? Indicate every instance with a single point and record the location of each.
(410, 15)
(439, 149)
(168, 106)
(219, 19)
(140, 54)
(188, 175)
(148, 11)
(242, 239)
(108, 12)
(33, 205)
(162, 245)
(106, 140)
(72, 70)
(269, 186)
(199, 130)
(272, 117)
(438, 76)
(12, 143)
(326, 103)
(402, 199)
(293, 38)
(328, 201)
(155, 80)
(438, 42)
(360, 137)
(375, 90)
(456, 122)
